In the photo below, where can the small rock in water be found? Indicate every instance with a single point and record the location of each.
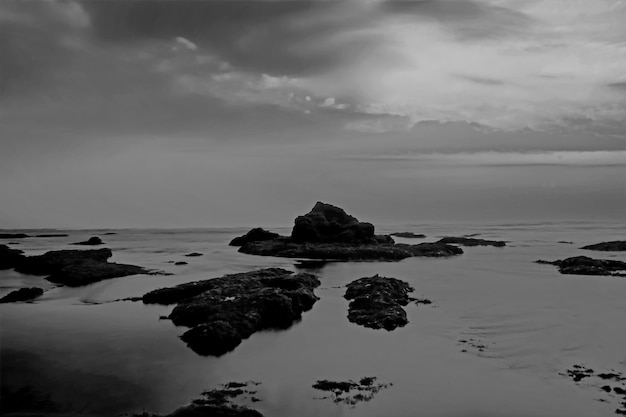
(193, 254)
(23, 294)
(614, 246)
(92, 241)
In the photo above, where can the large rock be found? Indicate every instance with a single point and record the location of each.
(377, 302)
(328, 233)
(223, 311)
(583, 265)
(76, 267)
(327, 223)
(13, 235)
(615, 246)
(23, 294)
(468, 241)
(10, 258)
(92, 241)
(255, 235)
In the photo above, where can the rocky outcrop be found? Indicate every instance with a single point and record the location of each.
(467, 241)
(76, 267)
(615, 246)
(377, 302)
(92, 241)
(223, 311)
(10, 258)
(328, 233)
(23, 294)
(582, 265)
(255, 235)
(408, 235)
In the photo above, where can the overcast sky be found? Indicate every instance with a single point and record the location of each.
(208, 113)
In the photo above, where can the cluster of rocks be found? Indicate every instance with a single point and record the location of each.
(351, 392)
(377, 302)
(614, 246)
(468, 241)
(68, 267)
(328, 232)
(580, 372)
(583, 265)
(223, 311)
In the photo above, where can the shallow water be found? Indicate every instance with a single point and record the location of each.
(97, 355)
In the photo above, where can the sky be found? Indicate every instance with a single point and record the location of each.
(206, 113)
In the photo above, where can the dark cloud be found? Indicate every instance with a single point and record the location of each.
(467, 19)
(277, 37)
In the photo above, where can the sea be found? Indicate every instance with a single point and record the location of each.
(497, 341)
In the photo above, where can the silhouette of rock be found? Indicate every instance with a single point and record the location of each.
(13, 236)
(92, 241)
(615, 246)
(180, 263)
(582, 265)
(23, 294)
(10, 258)
(465, 241)
(255, 235)
(52, 235)
(193, 254)
(76, 267)
(328, 233)
(223, 311)
(377, 302)
(408, 235)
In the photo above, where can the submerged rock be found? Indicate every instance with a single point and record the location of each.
(377, 302)
(76, 267)
(328, 233)
(13, 235)
(10, 258)
(615, 246)
(582, 265)
(467, 241)
(255, 235)
(23, 294)
(92, 241)
(408, 235)
(223, 311)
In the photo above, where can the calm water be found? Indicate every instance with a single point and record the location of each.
(99, 356)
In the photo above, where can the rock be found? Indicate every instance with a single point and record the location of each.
(193, 254)
(377, 302)
(52, 235)
(10, 258)
(327, 223)
(214, 411)
(582, 265)
(109, 233)
(351, 392)
(408, 235)
(615, 246)
(13, 236)
(23, 294)
(92, 241)
(465, 241)
(328, 233)
(180, 263)
(223, 311)
(76, 267)
(255, 235)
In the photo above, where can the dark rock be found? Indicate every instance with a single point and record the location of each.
(466, 241)
(92, 241)
(582, 265)
(193, 254)
(327, 223)
(180, 263)
(408, 235)
(351, 392)
(13, 235)
(223, 311)
(619, 391)
(606, 388)
(10, 258)
(109, 233)
(377, 302)
(255, 235)
(52, 235)
(621, 411)
(76, 267)
(214, 411)
(23, 294)
(615, 246)
(328, 233)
